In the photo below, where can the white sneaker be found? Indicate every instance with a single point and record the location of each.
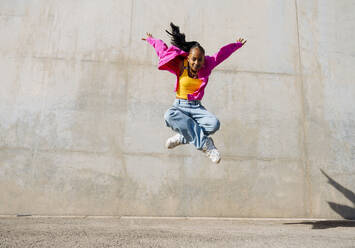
(211, 151)
(174, 141)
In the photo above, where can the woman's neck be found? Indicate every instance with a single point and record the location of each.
(192, 73)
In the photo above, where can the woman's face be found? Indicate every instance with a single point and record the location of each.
(196, 59)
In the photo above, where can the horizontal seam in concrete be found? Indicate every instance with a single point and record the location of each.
(224, 157)
(54, 150)
(231, 218)
(9, 15)
(256, 72)
(54, 108)
(171, 218)
(152, 154)
(153, 65)
(246, 158)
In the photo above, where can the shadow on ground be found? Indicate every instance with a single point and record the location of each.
(325, 224)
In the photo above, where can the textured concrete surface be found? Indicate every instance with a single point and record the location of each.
(82, 105)
(113, 232)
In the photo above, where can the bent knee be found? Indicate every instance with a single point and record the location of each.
(214, 126)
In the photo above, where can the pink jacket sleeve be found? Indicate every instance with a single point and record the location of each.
(223, 54)
(168, 56)
(159, 46)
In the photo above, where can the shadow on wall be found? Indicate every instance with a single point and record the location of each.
(345, 211)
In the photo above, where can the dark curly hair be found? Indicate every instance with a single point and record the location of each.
(178, 40)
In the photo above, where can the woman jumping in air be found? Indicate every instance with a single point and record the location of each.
(188, 117)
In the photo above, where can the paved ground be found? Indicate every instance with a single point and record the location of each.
(132, 232)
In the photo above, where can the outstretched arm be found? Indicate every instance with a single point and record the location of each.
(159, 45)
(175, 66)
(241, 40)
(225, 52)
(149, 35)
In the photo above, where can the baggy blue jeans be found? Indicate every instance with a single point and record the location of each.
(191, 120)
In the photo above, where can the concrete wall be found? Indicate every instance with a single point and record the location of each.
(82, 105)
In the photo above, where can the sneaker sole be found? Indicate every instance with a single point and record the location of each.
(167, 146)
(217, 162)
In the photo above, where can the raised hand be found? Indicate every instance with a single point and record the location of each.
(149, 35)
(241, 40)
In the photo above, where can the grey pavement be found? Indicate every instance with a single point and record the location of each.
(173, 232)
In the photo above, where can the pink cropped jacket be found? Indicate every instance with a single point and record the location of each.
(169, 58)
